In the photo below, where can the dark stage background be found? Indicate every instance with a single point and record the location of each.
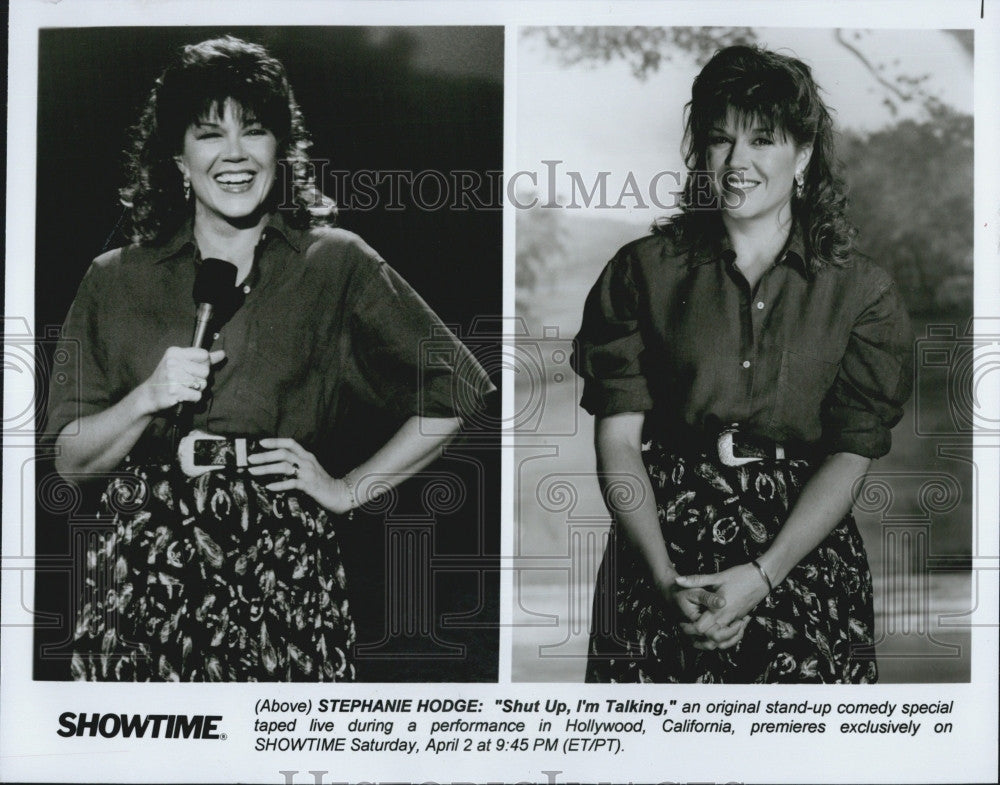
(380, 99)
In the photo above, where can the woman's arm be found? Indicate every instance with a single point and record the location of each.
(98, 442)
(824, 501)
(618, 442)
(418, 442)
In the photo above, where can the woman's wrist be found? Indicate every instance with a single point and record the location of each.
(350, 488)
(764, 576)
(770, 565)
(342, 498)
(338, 499)
(666, 580)
(141, 402)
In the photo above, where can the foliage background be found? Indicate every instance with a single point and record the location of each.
(611, 99)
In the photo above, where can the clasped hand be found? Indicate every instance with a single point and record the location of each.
(716, 607)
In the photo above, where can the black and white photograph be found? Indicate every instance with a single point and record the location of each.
(552, 392)
(237, 505)
(788, 216)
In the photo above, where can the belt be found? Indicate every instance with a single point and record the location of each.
(200, 452)
(734, 446)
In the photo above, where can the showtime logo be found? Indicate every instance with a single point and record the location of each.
(150, 726)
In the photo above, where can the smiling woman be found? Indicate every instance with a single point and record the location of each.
(221, 557)
(229, 162)
(744, 366)
(753, 167)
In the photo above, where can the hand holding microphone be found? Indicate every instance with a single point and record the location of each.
(181, 376)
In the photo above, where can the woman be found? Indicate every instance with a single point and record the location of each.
(745, 367)
(221, 560)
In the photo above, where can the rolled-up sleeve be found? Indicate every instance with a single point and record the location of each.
(875, 378)
(609, 346)
(407, 360)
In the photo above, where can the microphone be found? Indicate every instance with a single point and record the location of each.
(213, 287)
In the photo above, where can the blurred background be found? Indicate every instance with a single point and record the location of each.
(611, 100)
(423, 568)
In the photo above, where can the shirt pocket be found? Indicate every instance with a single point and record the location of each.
(803, 382)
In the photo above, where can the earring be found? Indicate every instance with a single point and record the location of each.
(187, 189)
(799, 184)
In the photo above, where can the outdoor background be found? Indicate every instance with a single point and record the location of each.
(612, 99)
(423, 575)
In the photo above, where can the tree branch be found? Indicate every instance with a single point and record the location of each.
(839, 35)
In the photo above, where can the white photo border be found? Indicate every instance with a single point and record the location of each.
(31, 750)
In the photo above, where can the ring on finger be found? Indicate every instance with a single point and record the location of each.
(295, 470)
(195, 384)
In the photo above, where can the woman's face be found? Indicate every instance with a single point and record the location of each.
(231, 163)
(753, 168)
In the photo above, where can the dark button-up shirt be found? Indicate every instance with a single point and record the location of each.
(321, 318)
(821, 358)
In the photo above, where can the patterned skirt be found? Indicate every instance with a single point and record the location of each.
(815, 627)
(212, 578)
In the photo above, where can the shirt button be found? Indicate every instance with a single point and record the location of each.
(215, 337)
(760, 305)
(746, 363)
(246, 288)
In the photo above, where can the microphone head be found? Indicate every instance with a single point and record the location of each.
(214, 282)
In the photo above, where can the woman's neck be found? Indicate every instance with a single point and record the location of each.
(758, 242)
(220, 239)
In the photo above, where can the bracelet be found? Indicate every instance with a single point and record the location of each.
(767, 580)
(350, 492)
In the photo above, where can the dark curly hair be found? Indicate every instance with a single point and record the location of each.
(779, 91)
(196, 86)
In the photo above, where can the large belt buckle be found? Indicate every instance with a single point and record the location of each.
(726, 445)
(194, 460)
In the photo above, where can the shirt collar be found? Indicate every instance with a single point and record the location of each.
(794, 252)
(183, 238)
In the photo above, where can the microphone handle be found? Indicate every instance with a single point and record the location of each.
(202, 319)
